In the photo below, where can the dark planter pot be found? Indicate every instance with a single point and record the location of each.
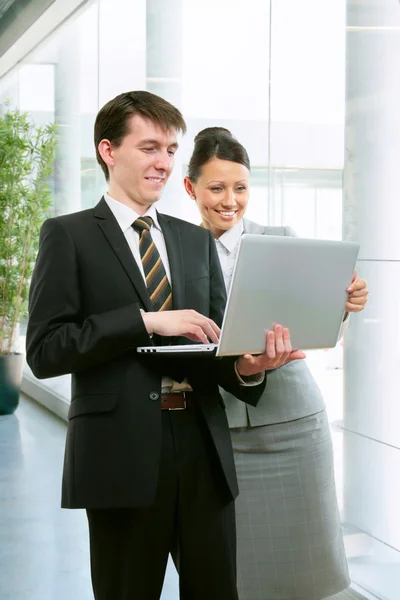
(10, 382)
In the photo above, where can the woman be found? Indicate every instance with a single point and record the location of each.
(290, 545)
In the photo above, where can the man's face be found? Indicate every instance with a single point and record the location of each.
(142, 164)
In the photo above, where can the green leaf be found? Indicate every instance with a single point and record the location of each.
(27, 154)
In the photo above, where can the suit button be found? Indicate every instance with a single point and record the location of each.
(154, 396)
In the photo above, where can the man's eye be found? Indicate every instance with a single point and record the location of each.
(147, 149)
(171, 152)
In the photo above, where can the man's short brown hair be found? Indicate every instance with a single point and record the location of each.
(112, 121)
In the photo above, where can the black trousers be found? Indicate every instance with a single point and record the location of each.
(192, 518)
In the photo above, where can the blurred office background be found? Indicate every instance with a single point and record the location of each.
(312, 89)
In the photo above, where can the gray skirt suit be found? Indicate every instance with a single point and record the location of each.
(290, 544)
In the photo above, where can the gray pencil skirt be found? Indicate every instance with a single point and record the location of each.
(290, 544)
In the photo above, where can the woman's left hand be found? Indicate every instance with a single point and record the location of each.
(357, 295)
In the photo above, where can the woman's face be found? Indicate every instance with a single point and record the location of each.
(221, 193)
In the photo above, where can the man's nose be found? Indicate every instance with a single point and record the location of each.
(164, 161)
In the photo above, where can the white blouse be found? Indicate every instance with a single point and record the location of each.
(227, 247)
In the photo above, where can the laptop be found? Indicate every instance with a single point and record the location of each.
(297, 282)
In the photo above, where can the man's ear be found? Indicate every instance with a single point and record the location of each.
(106, 152)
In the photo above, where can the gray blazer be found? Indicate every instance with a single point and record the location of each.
(291, 392)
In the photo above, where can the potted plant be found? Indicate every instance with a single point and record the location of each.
(26, 159)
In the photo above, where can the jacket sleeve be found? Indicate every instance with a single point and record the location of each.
(224, 368)
(60, 339)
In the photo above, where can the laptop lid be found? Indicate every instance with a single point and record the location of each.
(297, 282)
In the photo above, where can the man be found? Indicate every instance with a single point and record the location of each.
(152, 478)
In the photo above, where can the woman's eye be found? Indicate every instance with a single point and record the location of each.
(241, 188)
(216, 189)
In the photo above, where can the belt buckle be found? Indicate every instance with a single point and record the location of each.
(184, 403)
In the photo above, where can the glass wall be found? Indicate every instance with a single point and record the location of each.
(271, 71)
(275, 92)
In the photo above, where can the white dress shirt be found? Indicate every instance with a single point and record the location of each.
(125, 217)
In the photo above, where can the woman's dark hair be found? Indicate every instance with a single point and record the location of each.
(112, 121)
(215, 142)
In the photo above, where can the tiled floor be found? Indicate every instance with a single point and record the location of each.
(43, 549)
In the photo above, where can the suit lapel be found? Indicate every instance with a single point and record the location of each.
(174, 250)
(112, 231)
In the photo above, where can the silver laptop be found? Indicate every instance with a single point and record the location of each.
(299, 283)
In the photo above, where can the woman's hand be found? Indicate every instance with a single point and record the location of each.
(357, 295)
(278, 352)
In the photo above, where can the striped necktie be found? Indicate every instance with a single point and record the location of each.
(156, 278)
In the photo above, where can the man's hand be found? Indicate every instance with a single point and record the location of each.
(278, 352)
(357, 295)
(187, 323)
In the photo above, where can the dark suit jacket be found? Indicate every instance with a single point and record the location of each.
(84, 319)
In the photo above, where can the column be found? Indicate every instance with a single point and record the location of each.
(164, 22)
(371, 215)
(122, 47)
(67, 166)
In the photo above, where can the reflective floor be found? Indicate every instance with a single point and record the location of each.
(44, 551)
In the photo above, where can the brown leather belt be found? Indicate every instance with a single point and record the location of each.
(177, 400)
